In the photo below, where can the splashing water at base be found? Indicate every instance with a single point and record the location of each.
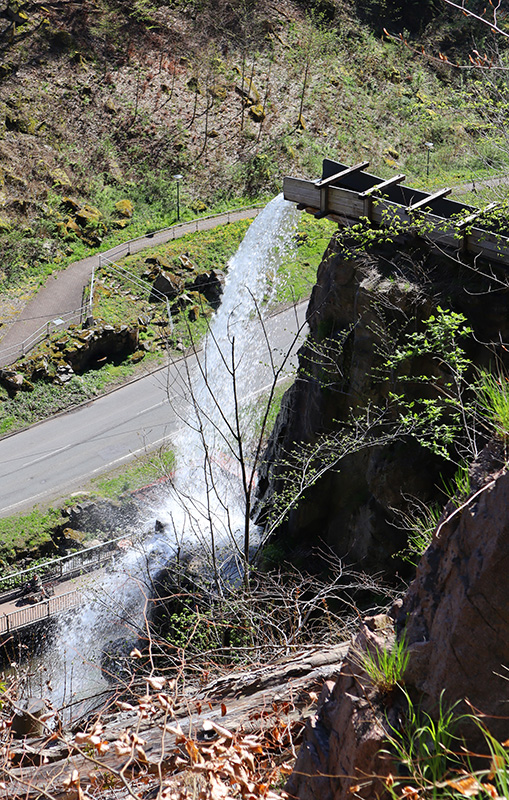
(206, 505)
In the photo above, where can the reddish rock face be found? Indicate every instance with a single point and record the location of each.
(344, 741)
(456, 612)
(455, 617)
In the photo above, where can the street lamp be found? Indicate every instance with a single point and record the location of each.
(429, 145)
(178, 178)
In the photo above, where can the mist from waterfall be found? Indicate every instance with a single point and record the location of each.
(206, 497)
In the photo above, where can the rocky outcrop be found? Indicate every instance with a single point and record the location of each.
(455, 616)
(343, 741)
(455, 622)
(363, 304)
(75, 351)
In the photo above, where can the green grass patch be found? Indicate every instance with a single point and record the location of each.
(144, 471)
(27, 535)
(297, 274)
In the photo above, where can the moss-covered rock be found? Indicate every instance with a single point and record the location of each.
(88, 216)
(60, 178)
(248, 92)
(218, 91)
(166, 283)
(125, 208)
(110, 106)
(257, 113)
(70, 204)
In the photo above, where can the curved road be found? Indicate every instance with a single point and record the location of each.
(62, 294)
(48, 460)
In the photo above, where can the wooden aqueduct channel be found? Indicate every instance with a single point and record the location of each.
(348, 195)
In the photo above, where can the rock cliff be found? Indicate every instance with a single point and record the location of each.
(455, 622)
(364, 304)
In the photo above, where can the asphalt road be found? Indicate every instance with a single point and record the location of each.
(62, 294)
(51, 459)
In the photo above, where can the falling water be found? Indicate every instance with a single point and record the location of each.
(206, 498)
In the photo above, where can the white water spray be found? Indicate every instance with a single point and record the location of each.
(206, 500)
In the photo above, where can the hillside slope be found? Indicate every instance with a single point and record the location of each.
(102, 102)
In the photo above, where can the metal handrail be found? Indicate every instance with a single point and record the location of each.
(116, 251)
(64, 565)
(44, 609)
(43, 332)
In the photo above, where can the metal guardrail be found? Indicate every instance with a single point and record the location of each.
(118, 251)
(38, 612)
(66, 566)
(43, 332)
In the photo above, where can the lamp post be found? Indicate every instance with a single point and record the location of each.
(178, 178)
(429, 145)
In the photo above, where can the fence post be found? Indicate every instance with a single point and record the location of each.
(7, 622)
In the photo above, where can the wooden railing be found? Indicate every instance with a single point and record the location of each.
(45, 609)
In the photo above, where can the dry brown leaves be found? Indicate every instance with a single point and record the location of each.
(235, 764)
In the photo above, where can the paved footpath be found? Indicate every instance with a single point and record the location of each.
(63, 291)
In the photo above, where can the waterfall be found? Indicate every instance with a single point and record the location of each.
(206, 499)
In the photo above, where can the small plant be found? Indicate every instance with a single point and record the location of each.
(458, 489)
(386, 666)
(420, 521)
(493, 393)
(434, 762)
(427, 750)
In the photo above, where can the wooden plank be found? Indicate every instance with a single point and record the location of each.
(426, 201)
(472, 217)
(300, 191)
(332, 178)
(345, 202)
(324, 184)
(382, 185)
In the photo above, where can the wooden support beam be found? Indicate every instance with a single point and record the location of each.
(426, 201)
(472, 217)
(324, 184)
(332, 178)
(382, 185)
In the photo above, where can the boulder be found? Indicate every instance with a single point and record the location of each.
(248, 92)
(27, 717)
(60, 177)
(167, 283)
(257, 113)
(455, 620)
(88, 216)
(14, 382)
(455, 614)
(125, 208)
(210, 285)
